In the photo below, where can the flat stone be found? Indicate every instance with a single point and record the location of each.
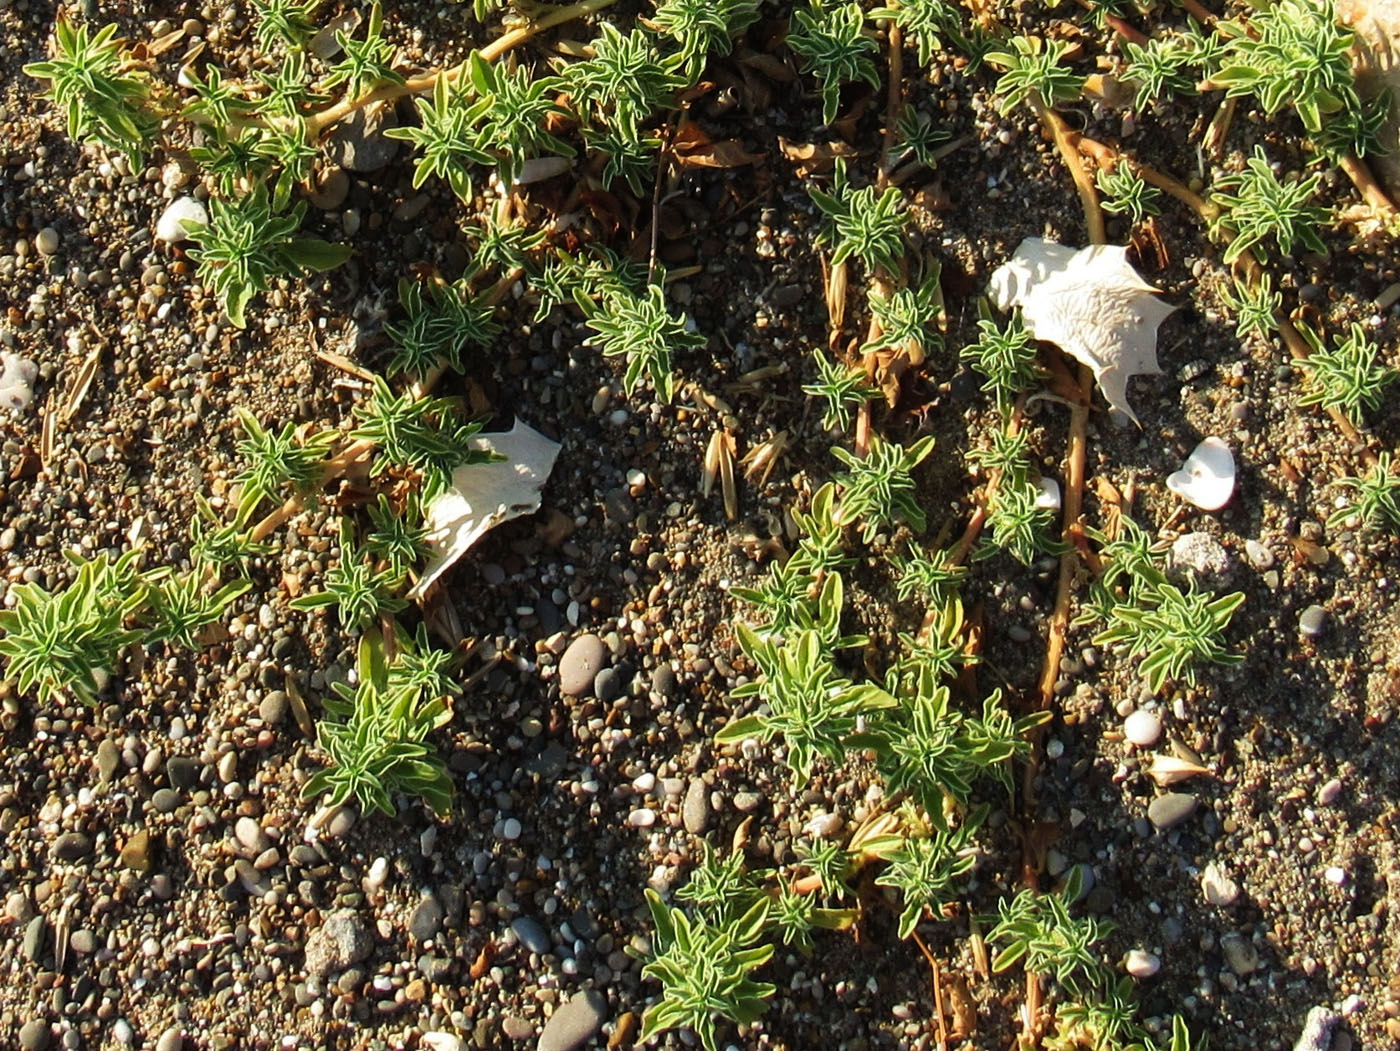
(531, 934)
(426, 921)
(1240, 954)
(109, 759)
(1171, 809)
(572, 1025)
(71, 846)
(165, 800)
(35, 1035)
(182, 772)
(342, 941)
(607, 685)
(695, 810)
(580, 665)
(83, 941)
(517, 1028)
(358, 143)
(34, 937)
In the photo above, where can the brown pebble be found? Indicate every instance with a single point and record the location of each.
(136, 855)
(622, 1035)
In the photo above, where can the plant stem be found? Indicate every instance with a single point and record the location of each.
(1359, 172)
(317, 123)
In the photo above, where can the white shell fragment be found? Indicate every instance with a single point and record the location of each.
(1090, 303)
(483, 495)
(1049, 497)
(1207, 478)
(17, 377)
(170, 227)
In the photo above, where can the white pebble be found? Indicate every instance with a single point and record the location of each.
(636, 477)
(1336, 875)
(378, 873)
(642, 818)
(1329, 793)
(644, 783)
(1141, 964)
(1218, 887)
(823, 825)
(1054, 748)
(511, 828)
(1142, 728)
(170, 227)
(17, 377)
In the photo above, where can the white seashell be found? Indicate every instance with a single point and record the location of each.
(1049, 498)
(1207, 478)
(1168, 770)
(17, 377)
(170, 227)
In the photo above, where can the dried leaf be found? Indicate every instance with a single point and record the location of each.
(483, 495)
(1090, 303)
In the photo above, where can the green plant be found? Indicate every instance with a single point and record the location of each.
(1125, 193)
(218, 547)
(1256, 206)
(367, 63)
(832, 42)
(808, 703)
(289, 22)
(919, 137)
(1347, 376)
(374, 736)
(288, 91)
(925, 870)
(878, 490)
(181, 605)
(1161, 66)
(939, 646)
(66, 643)
(358, 590)
(438, 327)
(1174, 631)
(925, 22)
(1020, 521)
(102, 90)
(1256, 306)
(216, 102)
(418, 433)
(862, 223)
(907, 317)
(625, 81)
(278, 459)
(932, 577)
(1296, 53)
(1006, 357)
(703, 27)
(1377, 502)
(706, 970)
(1033, 75)
(397, 535)
(1039, 930)
(641, 329)
(844, 389)
(244, 245)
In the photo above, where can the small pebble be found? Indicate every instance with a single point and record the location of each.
(1313, 621)
(1219, 889)
(1171, 809)
(1141, 964)
(170, 226)
(47, 241)
(1142, 728)
(511, 829)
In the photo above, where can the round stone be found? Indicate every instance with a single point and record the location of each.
(343, 940)
(1141, 964)
(250, 835)
(272, 709)
(531, 934)
(426, 920)
(34, 1035)
(572, 1025)
(1313, 621)
(1142, 728)
(170, 227)
(47, 241)
(1171, 809)
(1240, 954)
(580, 665)
(71, 846)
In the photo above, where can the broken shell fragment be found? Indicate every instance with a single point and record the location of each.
(1207, 478)
(1168, 770)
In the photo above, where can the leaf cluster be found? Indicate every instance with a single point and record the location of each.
(375, 733)
(1032, 74)
(833, 43)
(1376, 504)
(1256, 206)
(642, 330)
(878, 490)
(862, 223)
(1173, 630)
(1346, 377)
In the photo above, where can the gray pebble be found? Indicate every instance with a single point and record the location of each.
(34, 936)
(182, 771)
(517, 1028)
(746, 802)
(341, 822)
(607, 685)
(34, 1035)
(273, 708)
(83, 941)
(109, 759)
(1202, 556)
(359, 145)
(572, 1025)
(1240, 954)
(71, 846)
(165, 800)
(1171, 809)
(580, 665)
(426, 921)
(344, 939)
(1313, 621)
(531, 934)
(695, 811)
(663, 680)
